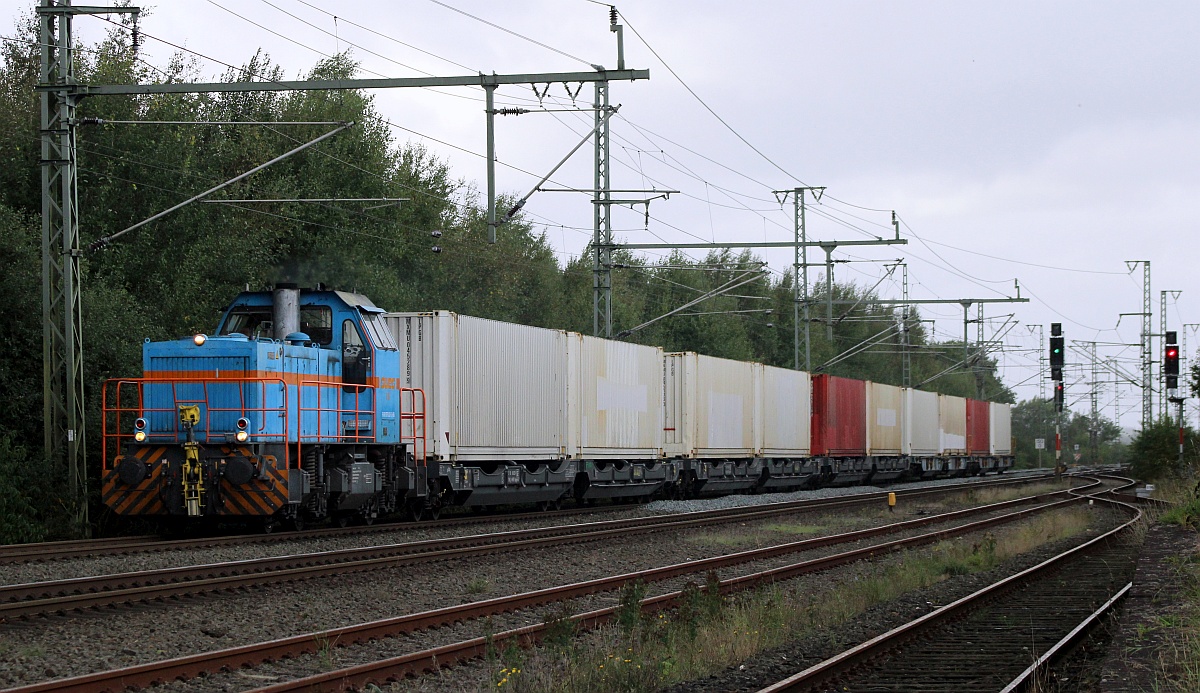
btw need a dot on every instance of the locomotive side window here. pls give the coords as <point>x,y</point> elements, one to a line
<point>317,323</point>
<point>356,356</point>
<point>250,322</point>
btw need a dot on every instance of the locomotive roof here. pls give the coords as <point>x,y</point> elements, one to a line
<point>263,298</point>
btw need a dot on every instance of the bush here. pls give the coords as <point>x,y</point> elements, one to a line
<point>1154,453</point>
<point>19,518</point>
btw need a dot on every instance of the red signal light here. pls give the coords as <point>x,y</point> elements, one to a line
<point>1172,353</point>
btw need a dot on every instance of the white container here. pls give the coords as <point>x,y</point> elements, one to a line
<point>1000,427</point>
<point>785,412</point>
<point>709,407</point>
<point>615,399</point>
<point>952,425</point>
<point>885,420</point>
<point>494,390</point>
<point>921,428</point>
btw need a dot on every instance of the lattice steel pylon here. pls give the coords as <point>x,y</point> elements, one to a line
<point>64,432</point>
<point>1147,339</point>
<point>602,222</point>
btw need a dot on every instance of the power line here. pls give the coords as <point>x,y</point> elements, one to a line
<point>702,102</point>
<point>510,31</point>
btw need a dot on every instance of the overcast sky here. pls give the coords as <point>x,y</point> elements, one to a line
<point>1060,138</point>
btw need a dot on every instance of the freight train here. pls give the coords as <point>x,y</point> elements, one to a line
<point>307,405</point>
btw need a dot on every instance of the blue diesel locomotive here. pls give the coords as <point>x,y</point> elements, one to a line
<point>290,412</point>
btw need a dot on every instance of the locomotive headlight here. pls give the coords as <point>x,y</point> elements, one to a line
<point>200,339</point>
<point>241,436</point>
<point>139,436</point>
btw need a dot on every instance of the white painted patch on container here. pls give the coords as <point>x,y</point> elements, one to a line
<point>953,442</point>
<point>885,417</point>
<point>611,394</point>
<point>725,421</point>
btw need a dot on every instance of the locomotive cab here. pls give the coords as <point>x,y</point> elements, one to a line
<point>288,411</point>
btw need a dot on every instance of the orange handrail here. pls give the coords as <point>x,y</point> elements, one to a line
<point>415,415</point>
<point>122,416</point>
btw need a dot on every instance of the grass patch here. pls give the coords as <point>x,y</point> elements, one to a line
<point>786,528</point>
<point>987,496</point>
<point>722,539</point>
<point>479,586</point>
<point>1178,666</point>
<point>742,536</point>
<point>708,632</point>
<point>1186,514</point>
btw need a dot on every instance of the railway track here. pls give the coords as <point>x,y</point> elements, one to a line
<point>995,639</point>
<point>50,551</point>
<point>65,596</point>
<point>234,658</point>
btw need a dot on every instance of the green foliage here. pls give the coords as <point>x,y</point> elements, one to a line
<point>1035,419</point>
<point>1154,452</point>
<point>1186,514</point>
<point>866,342</point>
<point>20,487</point>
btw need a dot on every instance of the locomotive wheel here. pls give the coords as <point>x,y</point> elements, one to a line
<point>416,510</point>
<point>342,520</point>
<point>298,522</point>
<point>270,524</point>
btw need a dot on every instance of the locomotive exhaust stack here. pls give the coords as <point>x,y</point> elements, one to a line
<point>285,310</point>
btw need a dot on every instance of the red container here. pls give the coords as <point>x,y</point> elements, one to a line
<point>978,435</point>
<point>839,417</point>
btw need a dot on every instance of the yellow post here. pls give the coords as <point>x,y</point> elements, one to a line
<point>892,502</point>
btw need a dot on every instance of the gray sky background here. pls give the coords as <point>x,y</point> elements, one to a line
<point>1060,138</point>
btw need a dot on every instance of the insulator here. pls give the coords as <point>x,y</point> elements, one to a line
<point>436,248</point>
<point>435,234</point>
<point>612,14</point>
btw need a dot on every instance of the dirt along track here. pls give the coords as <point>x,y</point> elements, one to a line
<point>499,605</point>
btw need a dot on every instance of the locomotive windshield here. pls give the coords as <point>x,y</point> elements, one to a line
<point>381,336</point>
<point>315,321</point>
